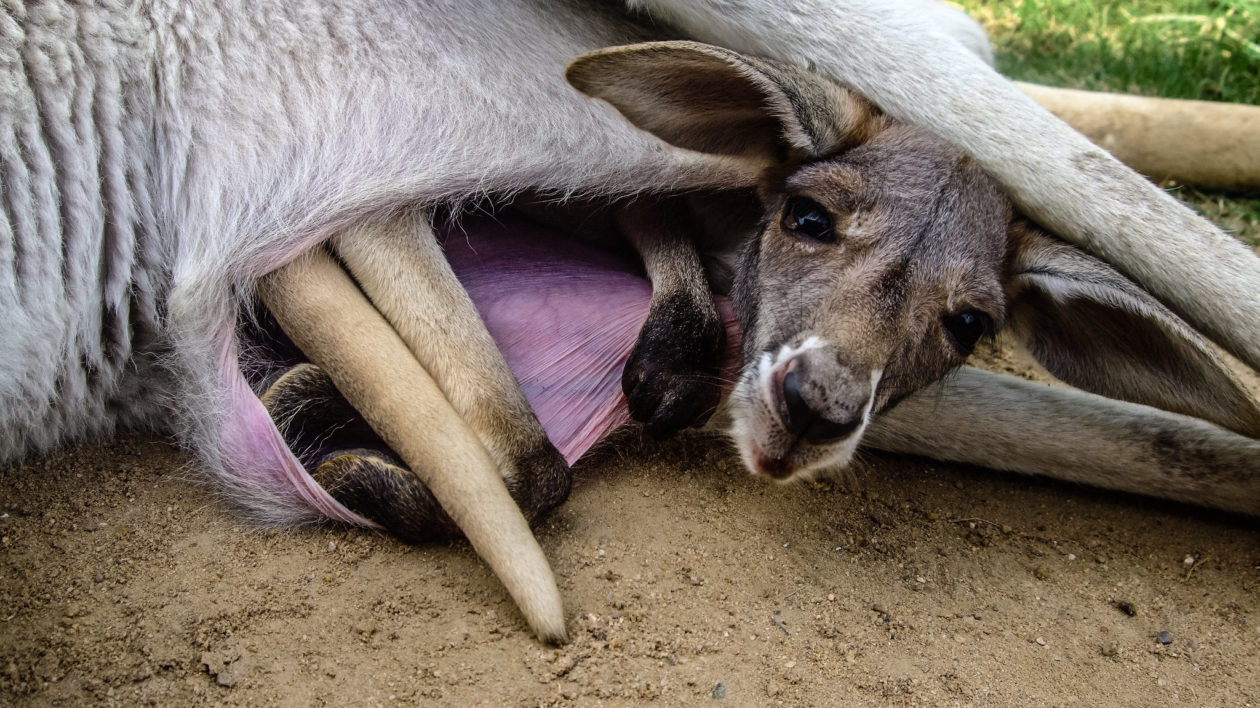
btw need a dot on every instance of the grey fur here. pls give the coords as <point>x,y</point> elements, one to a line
<point>1003,422</point>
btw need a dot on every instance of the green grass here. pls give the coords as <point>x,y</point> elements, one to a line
<point>1199,49</point>
<point>1205,49</point>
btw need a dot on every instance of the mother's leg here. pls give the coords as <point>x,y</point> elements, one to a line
<point>1008,423</point>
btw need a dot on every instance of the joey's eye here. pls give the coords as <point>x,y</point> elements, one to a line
<point>967,327</point>
<point>807,219</point>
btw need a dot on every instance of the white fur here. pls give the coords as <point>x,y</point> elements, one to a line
<point>755,422</point>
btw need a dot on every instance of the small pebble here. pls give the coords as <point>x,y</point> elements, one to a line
<point>1188,562</point>
<point>719,690</point>
<point>1040,642</point>
<point>1111,649</point>
<point>1127,607</point>
<point>1164,637</point>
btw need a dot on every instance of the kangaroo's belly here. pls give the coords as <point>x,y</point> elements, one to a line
<point>82,272</point>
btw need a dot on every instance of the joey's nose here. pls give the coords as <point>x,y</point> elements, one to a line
<point>807,423</point>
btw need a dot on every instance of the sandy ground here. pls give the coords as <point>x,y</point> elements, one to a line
<point>686,581</point>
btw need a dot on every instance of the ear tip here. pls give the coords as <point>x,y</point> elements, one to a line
<point>586,71</point>
<point>578,74</point>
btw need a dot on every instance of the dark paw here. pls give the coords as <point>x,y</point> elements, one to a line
<point>542,481</point>
<point>351,462</point>
<point>671,379</point>
<point>374,484</point>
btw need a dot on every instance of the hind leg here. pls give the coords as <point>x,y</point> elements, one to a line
<point>399,264</point>
<point>349,460</point>
<point>328,317</point>
<point>1003,422</point>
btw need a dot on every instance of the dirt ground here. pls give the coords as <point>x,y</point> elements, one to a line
<point>686,581</point>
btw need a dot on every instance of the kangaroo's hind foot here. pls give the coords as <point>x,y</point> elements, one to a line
<point>349,460</point>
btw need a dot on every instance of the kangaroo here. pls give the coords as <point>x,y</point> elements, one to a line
<point>160,160</point>
<point>881,257</point>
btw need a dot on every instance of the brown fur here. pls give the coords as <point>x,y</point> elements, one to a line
<point>839,329</point>
<point>857,323</point>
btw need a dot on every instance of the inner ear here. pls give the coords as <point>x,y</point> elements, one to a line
<point>1094,328</point>
<point>713,100</point>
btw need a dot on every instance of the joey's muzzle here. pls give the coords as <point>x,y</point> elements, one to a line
<point>802,409</point>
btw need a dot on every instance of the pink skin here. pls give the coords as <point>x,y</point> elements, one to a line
<point>772,397</point>
<point>565,315</point>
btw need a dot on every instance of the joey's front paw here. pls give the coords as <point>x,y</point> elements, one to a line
<point>671,379</point>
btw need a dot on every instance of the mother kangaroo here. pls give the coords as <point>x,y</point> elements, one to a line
<point>160,158</point>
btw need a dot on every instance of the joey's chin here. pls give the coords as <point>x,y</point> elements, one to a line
<point>800,461</point>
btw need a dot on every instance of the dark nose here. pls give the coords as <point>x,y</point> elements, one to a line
<point>807,423</point>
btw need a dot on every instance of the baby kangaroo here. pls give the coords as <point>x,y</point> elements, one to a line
<point>878,260</point>
<point>882,257</point>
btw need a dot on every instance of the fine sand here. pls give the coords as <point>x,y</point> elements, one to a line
<point>686,581</point>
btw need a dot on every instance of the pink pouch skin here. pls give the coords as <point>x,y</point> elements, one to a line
<point>566,316</point>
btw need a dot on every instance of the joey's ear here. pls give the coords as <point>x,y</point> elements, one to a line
<point>713,100</point>
<point>1095,329</point>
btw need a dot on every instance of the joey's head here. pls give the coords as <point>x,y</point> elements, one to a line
<point>882,257</point>
<point>874,272</point>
